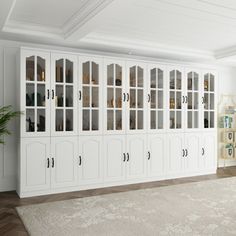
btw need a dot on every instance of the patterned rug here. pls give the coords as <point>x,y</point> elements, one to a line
<point>202,208</point>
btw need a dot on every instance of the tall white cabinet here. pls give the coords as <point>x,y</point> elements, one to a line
<point>92,121</point>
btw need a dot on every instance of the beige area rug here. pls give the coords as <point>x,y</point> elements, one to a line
<point>203,208</point>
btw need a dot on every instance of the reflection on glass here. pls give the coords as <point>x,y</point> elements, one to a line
<point>69,71</point>
<point>69,96</point>
<point>212,85</point>
<point>95,73</point>
<point>30,95</point>
<point>195,101</point>
<point>110,97</point>
<point>110,74</point>
<point>132,98</point>
<point>86,97</point>
<point>190,120</point>
<point>195,81</point>
<point>59,120</point>
<point>140,119</point>
<point>69,120</point>
<point>30,68</point>
<point>59,100</point>
<point>86,73</point>
<point>95,99</point>
<point>86,120</point>
<point>172,100</point>
<point>41,120</point>
<point>153,99</point>
<point>140,98</point>
<point>172,119</point>
<point>118,98</point>
<point>95,120</point>
<point>59,71</point>
<point>160,120</point>
<point>196,119</point>
<point>172,79</point>
<point>41,95</point>
<point>140,77</point>
<point>132,77</point>
<point>178,100</point>
<point>206,84</point>
<point>118,120</point>
<point>153,119</point>
<point>206,103</point>
<point>40,69</point>
<point>178,120</point>
<point>212,101</point>
<point>118,75</point>
<point>132,120</point>
<point>206,120</point>
<point>190,81</point>
<point>190,100</point>
<point>30,120</point>
<point>178,80</point>
<point>153,78</point>
<point>212,120</point>
<point>160,100</point>
<point>110,120</point>
<point>160,79</point>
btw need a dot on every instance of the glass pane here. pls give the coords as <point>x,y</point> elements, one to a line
<point>140,77</point>
<point>41,120</point>
<point>118,75</point>
<point>132,77</point>
<point>132,124</point>
<point>160,119</point>
<point>206,121</point>
<point>59,96</point>
<point>206,103</point>
<point>190,81</point>
<point>190,100</point>
<point>95,73</point>
<point>140,119</point>
<point>41,95</point>
<point>212,101</point>
<point>178,100</point>
<point>69,96</point>
<point>195,101</point>
<point>86,73</point>
<point>172,79</point>
<point>132,98</point>
<point>196,119</point>
<point>118,120</point>
<point>110,97</point>
<point>153,119</point>
<point>69,71</point>
<point>196,81</point>
<point>190,120</point>
<point>110,120</point>
<point>160,79</point>
<point>178,120</point>
<point>153,99</point>
<point>30,120</point>
<point>59,120</point>
<point>140,98</point>
<point>160,99</point>
<point>86,120</point>
<point>206,85</point>
<point>110,73</point>
<point>86,97</point>
<point>153,78</point>
<point>172,100</point>
<point>40,69</point>
<point>59,71</point>
<point>212,119</point>
<point>95,120</point>
<point>69,120</point>
<point>178,80</point>
<point>95,98</point>
<point>30,95</point>
<point>212,85</point>
<point>118,98</point>
<point>172,119</point>
<point>30,68</point>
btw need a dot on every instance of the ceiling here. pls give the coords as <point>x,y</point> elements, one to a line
<point>196,30</point>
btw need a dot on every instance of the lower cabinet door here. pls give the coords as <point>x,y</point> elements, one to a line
<point>136,156</point>
<point>90,160</point>
<point>64,162</point>
<point>156,155</point>
<point>115,158</point>
<point>35,169</point>
<point>176,155</point>
<point>208,155</point>
<point>192,146</point>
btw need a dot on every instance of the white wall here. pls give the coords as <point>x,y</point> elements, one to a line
<point>8,76</point>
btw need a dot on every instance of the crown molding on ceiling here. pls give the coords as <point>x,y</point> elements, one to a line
<point>226,52</point>
<point>5,11</point>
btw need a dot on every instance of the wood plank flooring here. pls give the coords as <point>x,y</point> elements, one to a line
<point>11,225</point>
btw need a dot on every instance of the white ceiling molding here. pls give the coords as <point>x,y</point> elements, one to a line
<point>225,53</point>
<point>5,11</point>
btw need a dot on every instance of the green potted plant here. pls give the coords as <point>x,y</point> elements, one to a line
<point>6,114</point>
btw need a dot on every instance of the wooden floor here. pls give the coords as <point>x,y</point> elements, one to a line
<point>11,225</point>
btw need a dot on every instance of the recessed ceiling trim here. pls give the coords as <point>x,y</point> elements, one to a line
<point>5,12</point>
<point>225,53</point>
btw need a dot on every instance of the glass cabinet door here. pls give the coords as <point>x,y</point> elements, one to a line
<point>63,95</point>
<point>192,100</point>
<point>37,83</point>
<point>175,100</point>
<point>209,100</point>
<point>156,99</point>
<point>114,98</point>
<point>135,98</point>
<point>90,82</point>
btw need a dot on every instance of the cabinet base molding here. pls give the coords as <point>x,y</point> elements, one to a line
<point>114,184</point>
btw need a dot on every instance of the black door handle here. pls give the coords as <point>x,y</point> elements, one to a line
<point>183,153</point>
<point>203,151</point>
<point>52,93</point>
<point>80,95</point>
<point>186,152</point>
<point>124,97</point>
<point>48,162</point>
<point>149,155</point>
<point>48,93</point>
<point>186,99</point>
<point>53,164</point>
<point>124,157</point>
<point>80,160</point>
<point>149,97</point>
<point>183,97</point>
<point>127,97</point>
<point>127,156</point>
